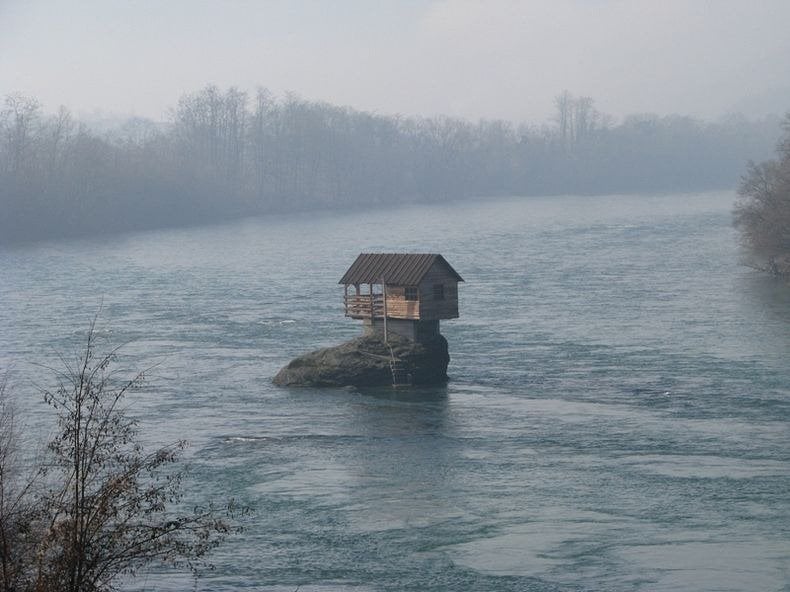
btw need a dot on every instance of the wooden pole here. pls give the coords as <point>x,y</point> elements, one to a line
<point>384,295</point>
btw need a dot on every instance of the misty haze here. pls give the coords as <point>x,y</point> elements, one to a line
<point>429,295</point>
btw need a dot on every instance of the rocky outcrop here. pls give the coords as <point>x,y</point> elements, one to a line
<point>365,361</point>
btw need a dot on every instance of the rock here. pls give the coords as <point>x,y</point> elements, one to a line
<point>365,361</point>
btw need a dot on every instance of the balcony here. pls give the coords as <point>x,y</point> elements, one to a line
<point>365,306</point>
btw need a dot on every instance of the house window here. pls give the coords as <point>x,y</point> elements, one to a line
<point>438,291</point>
<point>411,292</point>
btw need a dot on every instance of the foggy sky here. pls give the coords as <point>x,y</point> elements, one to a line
<point>492,59</point>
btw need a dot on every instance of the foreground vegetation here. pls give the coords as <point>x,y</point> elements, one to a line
<point>762,213</point>
<point>224,154</point>
<point>94,506</point>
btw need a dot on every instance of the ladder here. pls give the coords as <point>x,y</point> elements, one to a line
<point>400,374</point>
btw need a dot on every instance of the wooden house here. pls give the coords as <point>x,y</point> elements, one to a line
<point>401,293</point>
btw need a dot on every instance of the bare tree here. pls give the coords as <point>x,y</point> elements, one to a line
<point>762,212</point>
<point>564,105</point>
<point>22,114</point>
<point>585,118</point>
<point>259,138</point>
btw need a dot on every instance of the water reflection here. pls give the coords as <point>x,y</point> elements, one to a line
<point>406,472</point>
<point>769,295</point>
<point>403,412</point>
<point>417,394</point>
<point>764,310</point>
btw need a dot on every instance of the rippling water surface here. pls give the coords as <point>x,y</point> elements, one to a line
<point>617,417</point>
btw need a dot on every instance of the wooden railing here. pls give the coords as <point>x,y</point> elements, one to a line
<point>365,306</point>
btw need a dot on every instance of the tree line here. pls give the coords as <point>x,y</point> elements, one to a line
<point>229,153</point>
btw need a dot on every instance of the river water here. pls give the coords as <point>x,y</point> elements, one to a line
<point>617,417</point>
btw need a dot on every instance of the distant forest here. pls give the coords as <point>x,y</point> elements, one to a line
<point>225,154</point>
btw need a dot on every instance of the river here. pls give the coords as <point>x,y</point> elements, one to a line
<point>617,415</point>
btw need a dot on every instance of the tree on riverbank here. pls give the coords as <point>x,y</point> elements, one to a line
<point>96,506</point>
<point>762,213</point>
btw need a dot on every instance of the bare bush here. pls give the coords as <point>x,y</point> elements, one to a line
<point>17,513</point>
<point>97,506</point>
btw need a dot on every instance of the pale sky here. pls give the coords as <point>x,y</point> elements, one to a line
<point>472,59</point>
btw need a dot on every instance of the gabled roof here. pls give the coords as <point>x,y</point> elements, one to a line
<point>405,269</point>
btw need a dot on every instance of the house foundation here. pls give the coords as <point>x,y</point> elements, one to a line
<point>421,331</point>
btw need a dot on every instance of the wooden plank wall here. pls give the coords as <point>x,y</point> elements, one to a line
<point>431,309</point>
<point>400,308</point>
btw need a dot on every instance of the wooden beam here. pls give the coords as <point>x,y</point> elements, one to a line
<point>384,295</point>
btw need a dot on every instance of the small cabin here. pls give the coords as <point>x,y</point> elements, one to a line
<point>403,293</point>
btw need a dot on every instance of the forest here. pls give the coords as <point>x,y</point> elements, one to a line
<point>224,154</point>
